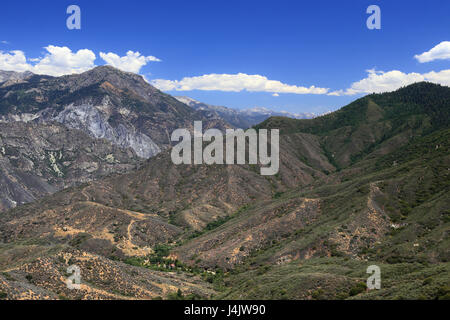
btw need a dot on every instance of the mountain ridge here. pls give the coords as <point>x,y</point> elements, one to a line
<point>105,103</point>
<point>242,119</point>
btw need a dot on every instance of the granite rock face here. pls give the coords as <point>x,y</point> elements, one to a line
<point>40,159</point>
<point>14,76</point>
<point>94,121</point>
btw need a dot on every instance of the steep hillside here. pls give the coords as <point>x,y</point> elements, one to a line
<point>42,276</point>
<point>395,216</point>
<point>40,159</point>
<point>377,121</point>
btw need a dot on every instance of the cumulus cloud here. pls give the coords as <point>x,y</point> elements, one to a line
<point>132,62</point>
<point>13,61</point>
<point>56,62</point>
<point>233,83</point>
<point>441,77</point>
<point>61,60</point>
<point>380,81</point>
<point>439,52</point>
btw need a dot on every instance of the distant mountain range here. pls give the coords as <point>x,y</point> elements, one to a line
<point>245,118</point>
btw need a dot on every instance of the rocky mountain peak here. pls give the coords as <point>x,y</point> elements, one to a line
<point>14,76</point>
<point>115,77</point>
<point>104,102</point>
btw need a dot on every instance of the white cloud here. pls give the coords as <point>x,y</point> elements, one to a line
<point>132,62</point>
<point>58,61</point>
<point>13,61</point>
<point>379,81</point>
<point>441,77</point>
<point>439,52</point>
<point>4,42</point>
<point>233,83</point>
<point>61,60</point>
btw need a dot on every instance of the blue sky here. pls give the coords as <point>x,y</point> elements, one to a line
<point>268,53</point>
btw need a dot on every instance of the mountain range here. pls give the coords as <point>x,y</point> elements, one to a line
<point>85,160</point>
<point>243,119</point>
